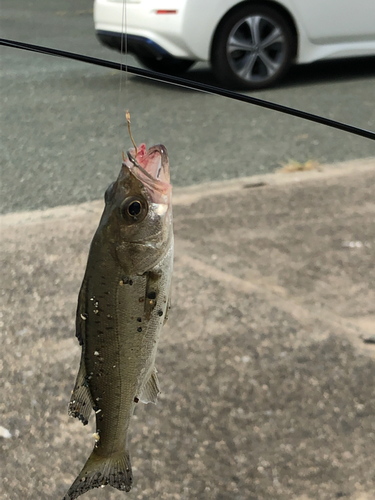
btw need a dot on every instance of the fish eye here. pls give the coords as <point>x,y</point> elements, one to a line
<point>134,209</point>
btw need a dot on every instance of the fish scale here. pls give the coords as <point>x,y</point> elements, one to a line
<point>122,306</point>
<point>123,354</point>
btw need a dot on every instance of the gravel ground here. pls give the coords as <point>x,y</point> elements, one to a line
<point>267,386</point>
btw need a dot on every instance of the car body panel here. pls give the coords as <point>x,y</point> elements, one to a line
<point>343,21</point>
<point>325,28</point>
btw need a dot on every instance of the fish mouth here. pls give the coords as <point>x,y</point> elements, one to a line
<point>151,167</point>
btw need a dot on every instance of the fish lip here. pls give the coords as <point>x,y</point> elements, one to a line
<point>153,182</point>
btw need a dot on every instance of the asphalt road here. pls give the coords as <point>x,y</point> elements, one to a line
<point>63,121</point>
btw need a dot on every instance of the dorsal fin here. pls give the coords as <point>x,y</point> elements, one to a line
<point>81,314</point>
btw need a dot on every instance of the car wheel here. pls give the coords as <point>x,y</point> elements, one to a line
<point>171,66</point>
<point>252,48</point>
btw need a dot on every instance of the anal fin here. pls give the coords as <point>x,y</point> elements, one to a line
<point>151,390</point>
<point>81,402</point>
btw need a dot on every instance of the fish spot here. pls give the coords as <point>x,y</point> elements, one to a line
<point>151,295</point>
<point>139,329</point>
<point>81,418</point>
<point>126,281</point>
<point>139,320</point>
<point>160,312</point>
<point>136,400</point>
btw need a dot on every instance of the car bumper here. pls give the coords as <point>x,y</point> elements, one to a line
<point>149,33</point>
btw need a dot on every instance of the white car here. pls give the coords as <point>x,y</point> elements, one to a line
<point>250,44</point>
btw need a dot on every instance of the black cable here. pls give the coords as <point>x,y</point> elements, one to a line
<point>182,82</point>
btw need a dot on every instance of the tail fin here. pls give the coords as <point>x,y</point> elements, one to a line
<point>99,471</point>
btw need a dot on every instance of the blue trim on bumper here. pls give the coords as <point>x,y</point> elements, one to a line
<point>137,45</point>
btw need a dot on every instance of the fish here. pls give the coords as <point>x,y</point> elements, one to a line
<point>122,305</point>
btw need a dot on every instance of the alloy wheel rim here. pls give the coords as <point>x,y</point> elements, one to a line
<point>256,48</point>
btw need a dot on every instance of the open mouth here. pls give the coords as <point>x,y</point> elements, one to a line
<point>151,165</point>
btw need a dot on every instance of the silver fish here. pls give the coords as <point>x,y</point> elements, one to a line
<point>122,305</point>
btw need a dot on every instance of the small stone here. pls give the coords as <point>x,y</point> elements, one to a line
<point>4,433</point>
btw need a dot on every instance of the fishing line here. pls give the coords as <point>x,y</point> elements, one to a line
<point>123,44</point>
<point>203,87</point>
<point>124,37</point>
<point>122,41</point>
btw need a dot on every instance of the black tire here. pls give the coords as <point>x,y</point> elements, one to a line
<point>243,54</point>
<point>169,66</point>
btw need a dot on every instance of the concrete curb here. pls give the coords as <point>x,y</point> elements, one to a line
<point>190,194</point>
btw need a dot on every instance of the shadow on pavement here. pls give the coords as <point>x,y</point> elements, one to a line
<point>307,74</point>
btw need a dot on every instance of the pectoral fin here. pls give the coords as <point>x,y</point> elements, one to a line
<point>169,305</point>
<point>81,402</point>
<point>151,389</point>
